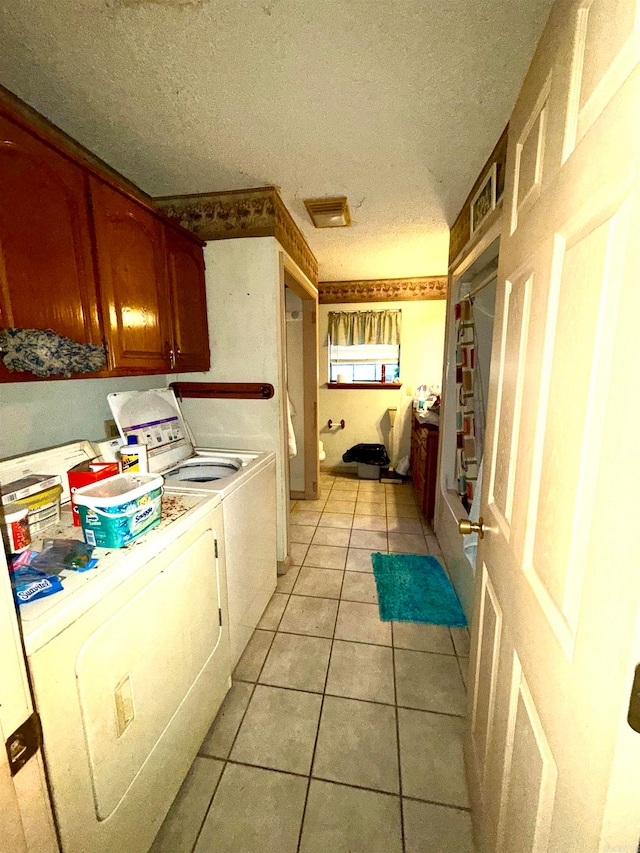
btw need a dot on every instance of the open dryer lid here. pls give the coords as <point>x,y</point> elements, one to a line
<point>154,417</point>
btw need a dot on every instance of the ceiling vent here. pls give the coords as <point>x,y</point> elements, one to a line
<point>329,212</point>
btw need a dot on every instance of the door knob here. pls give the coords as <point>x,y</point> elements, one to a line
<point>465,526</point>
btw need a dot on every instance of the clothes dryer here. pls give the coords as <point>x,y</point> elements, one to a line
<point>245,480</point>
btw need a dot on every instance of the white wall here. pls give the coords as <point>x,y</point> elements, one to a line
<point>295,385</point>
<point>245,294</point>
<point>242,310</point>
<point>365,411</point>
<point>36,415</point>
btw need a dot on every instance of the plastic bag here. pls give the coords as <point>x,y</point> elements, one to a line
<point>60,554</point>
<point>402,467</point>
<point>368,454</point>
<point>28,583</point>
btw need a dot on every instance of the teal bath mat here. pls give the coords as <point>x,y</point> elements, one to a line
<point>413,588</point>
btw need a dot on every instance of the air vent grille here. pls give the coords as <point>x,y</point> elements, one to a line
<point>329,212</point>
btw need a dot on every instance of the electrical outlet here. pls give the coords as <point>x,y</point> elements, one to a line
<point>110,429</point>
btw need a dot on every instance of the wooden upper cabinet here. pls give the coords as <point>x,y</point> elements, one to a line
<point>130,252</point>
<point>185,267</point>
<point>47,278</point>
<point>81,254</point>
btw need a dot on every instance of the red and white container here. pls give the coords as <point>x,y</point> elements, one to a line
<point>15,527</point>
<point>84,474</point>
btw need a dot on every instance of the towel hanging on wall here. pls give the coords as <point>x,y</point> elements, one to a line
<point>293,448</point>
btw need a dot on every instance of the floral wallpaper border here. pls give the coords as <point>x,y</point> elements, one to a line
<point>383,290</point>
<point>258,212</point>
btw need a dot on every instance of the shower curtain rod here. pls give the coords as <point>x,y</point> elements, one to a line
<point>485,281</point>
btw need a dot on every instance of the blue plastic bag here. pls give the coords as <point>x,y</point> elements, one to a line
<point>29,584</point>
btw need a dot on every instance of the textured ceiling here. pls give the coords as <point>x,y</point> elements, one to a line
<point>395,104</point>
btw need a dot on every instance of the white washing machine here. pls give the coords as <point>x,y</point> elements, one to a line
<point>244,480</point>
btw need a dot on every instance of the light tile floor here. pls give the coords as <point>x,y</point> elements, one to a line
<point>341,733</point>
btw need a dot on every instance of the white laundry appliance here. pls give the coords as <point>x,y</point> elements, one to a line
<point>245,482</point>
<point>129,664</point>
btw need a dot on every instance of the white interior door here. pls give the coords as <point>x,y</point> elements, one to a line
<point>552,762</point>
<point>26,823</point>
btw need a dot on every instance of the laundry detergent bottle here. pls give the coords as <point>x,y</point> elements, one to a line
<point>133,457</point>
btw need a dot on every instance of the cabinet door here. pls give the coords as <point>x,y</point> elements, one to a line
<point>430,469</point>
<point>417,459</point>
<point>185,263</point>
<point>133,285</point>
<point>46,270</point>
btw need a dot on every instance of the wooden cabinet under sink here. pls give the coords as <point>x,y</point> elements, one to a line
<point>424,462</point>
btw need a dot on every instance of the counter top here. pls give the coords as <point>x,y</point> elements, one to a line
<point>45,618</point>
<point>428,418</point>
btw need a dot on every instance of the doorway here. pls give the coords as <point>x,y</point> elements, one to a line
<point>301,381</point>
<point>295,390</point>
<point>471,293</point>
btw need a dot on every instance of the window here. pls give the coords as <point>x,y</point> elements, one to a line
<point>364,347</point>
<point>364,363</point>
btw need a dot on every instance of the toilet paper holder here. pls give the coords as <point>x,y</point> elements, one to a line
<point>331,423</point>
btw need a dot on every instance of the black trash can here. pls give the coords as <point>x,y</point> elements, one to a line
<point>370,458</point>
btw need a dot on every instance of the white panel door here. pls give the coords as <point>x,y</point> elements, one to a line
<point>553,765</point>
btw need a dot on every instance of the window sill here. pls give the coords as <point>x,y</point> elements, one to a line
<point>366,386</point>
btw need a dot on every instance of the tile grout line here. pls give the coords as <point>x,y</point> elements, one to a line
<point>295,775</point>
<point>315,742</point>
<point>464,683</point>
<point>465,809</point>
<point>359,642</point>
<point>235,737</point>
<point>399,755</point>
<point>237,763</point>
<point>352,698</point>
<point>206,811</point>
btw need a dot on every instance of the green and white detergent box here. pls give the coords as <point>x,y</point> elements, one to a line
<point>115,511</point>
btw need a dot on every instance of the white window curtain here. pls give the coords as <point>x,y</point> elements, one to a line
<point>351,328</point>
